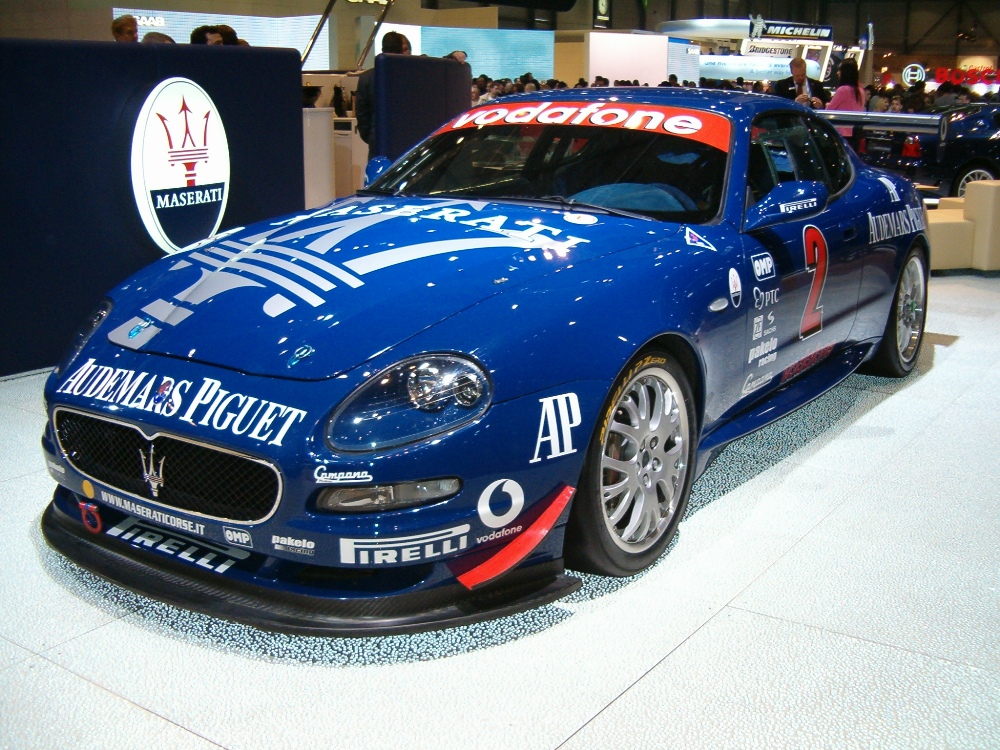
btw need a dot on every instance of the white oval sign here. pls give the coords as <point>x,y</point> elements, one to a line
<point>180,164</point>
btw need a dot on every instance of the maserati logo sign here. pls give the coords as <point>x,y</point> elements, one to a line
<point>180,164</point>
<point>152,474</point>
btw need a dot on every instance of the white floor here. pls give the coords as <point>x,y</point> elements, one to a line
<point>836,585</point>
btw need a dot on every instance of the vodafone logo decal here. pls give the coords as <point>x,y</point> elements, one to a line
<point>706,127</point>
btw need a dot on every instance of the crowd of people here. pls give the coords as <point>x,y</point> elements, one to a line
<point>126,29</point>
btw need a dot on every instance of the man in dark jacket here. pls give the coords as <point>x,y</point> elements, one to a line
<point>393,43</point>
<point>804,90</point>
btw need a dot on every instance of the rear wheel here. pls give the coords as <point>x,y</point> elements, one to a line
<point>637,477</point>
<point>904,331</point>
<point>970,175</point>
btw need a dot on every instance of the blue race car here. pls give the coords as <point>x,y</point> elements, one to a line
<point>515,351</point>
<point>969,150</point>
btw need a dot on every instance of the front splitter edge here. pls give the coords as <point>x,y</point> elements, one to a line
<point>284,612</point>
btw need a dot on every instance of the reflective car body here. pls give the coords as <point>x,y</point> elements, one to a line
<point>372,417</point>
<point>968,150</point>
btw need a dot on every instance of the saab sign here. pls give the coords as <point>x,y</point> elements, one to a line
<point>180,164</point>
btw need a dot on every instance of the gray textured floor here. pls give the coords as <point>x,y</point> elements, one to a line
<point>836,585</point>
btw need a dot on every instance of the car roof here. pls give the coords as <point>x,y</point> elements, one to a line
<point>736,105</point>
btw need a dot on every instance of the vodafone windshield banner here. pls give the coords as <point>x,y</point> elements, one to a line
<point>707,127</point>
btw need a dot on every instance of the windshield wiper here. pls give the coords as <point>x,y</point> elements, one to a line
<point>575,205</point>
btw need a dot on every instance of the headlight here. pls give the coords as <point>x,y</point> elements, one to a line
<point>83,334</point>
<point>387,496</point>
<point>412,400</point>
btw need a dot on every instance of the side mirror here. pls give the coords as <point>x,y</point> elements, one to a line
<point>375,168</point>
<point>787,201</point>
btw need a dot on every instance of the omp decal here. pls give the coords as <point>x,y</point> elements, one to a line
<point>895,224</point>
<point>211,406</point>
<point>402,549</point>
<point>691,237</point>
<point>239,537</point>
<point>763,266</point>
<point>520,547</point>
<point>706,127</point>
<point>560,414</point>
<point>290,258</point>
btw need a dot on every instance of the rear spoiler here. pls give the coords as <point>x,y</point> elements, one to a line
<point>893,121</point>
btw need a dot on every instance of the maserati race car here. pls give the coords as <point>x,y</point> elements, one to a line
<point>511,354</point>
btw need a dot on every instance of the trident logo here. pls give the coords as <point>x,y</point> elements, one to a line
<point>152,474</point>
<point>188,153</point>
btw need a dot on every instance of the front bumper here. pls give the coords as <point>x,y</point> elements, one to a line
<point>296,612</point>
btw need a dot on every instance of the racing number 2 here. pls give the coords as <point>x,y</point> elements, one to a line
<point>816,264</point>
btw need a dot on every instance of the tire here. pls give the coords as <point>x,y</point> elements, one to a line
<point>637,476</point>
<point>972,174</point>
<point>904,330</point>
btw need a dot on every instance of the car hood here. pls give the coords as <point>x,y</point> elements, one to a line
<point>317,293</point>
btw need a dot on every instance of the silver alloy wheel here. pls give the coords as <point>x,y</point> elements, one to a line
<point>644,460</point>
<point>974,175</point>
<point>911,306</point>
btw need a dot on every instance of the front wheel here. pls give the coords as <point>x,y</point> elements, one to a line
<point>638,473</point>
<point>904,331</point>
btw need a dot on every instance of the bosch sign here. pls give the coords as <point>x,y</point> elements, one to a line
<point>970,76</point>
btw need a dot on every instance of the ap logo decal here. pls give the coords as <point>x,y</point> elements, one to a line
<point>180,164</point>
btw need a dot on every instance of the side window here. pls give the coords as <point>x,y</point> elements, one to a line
<point>831,150</point>
<point>782,150</point>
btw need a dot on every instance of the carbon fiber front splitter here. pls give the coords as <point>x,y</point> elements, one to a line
<point>187,587</point>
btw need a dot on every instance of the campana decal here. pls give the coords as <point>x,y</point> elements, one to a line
<point>179,164</point>
<point>204,404</point>
<point>762,299</point>
<point>793,206</point>
<point>691,237</point>
<point>324,476</point>
<point>560,414</point>
<point>513,490</point>
<point>261,260</point>
<point>763,348</point>
<point>239,537</point>
<point>756,382</point>
<point>735,287</point>
<point>895,224</point>
<point>156,516</point>
<point>403,549</point>
<point>305,547</point>
<point>763,266</point>
<point>706,127</point>
<point>214,557</point>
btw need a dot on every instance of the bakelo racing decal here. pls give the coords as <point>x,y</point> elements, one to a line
<point>816,264</point>
<point>705,127</point>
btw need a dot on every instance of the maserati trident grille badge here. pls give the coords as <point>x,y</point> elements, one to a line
<point>151,473</point>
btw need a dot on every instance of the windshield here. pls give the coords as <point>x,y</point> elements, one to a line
<point>640,170</point>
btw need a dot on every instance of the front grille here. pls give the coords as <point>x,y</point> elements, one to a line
<point>195,478</point>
